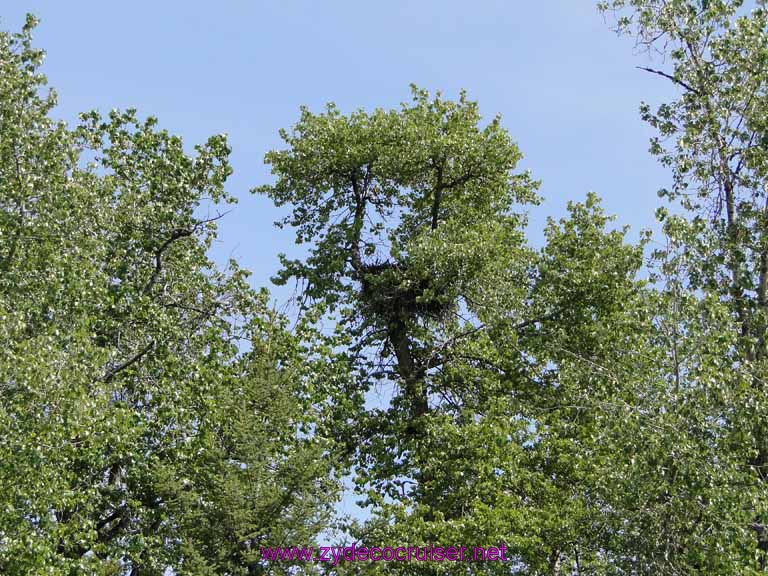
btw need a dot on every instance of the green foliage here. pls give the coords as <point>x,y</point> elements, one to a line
<point>711,315</point>
<point>488,346</point>
<point>153,411</point>
<point>157,417</point>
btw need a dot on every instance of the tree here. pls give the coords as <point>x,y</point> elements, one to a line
<point>152,414</point>
<point>400,286</point>
<point>417,247</point>
<point>715,269</point>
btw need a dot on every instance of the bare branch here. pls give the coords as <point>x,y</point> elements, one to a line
<point>670,77</point>
<point>175,235</point>
<point>128,363</point>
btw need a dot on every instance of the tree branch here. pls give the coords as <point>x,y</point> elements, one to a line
<point>175,235</point>
<point>670,77</point>
<point>110,374</point>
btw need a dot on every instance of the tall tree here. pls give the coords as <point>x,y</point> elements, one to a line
<point>487,347</point>
<point>151,407</point>
<point>715,270</point>
<point>407,212</point>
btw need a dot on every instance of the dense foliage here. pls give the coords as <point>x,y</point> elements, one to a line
<point>714,274</point>
<point>487,346</point>
<point>596,406</point>
<point>152,410</point>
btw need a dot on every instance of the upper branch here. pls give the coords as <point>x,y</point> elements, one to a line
<point>670,77</point>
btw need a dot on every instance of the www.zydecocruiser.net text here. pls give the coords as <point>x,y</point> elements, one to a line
<point>335,554</point>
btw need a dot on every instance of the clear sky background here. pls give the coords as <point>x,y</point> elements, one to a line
<point>566,86</point>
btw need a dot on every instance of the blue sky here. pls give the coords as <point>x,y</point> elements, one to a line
<point>566,86</point>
